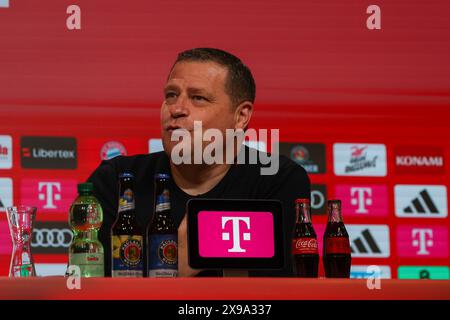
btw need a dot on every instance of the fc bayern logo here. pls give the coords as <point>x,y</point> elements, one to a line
<point>112,149</point>
<point>299,154</point>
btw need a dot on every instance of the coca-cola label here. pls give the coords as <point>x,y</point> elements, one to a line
<point>304,246</point>
<point>337,245</point>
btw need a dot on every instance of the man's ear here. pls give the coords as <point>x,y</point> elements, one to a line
<point>243,114</point>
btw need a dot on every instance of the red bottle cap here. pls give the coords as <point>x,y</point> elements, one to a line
<point>302,201</point>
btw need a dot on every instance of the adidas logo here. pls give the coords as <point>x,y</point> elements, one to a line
<point>369,246</point>
<point>420,201</point>
<point>422,204</point>
<point>369,240</point>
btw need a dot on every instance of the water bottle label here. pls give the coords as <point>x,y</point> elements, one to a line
<point>126,201</point>
<point>163,255</point>
<point>337,245</point>
<point>91,264</point>
<point>304,246</point>
<point>127,257</point>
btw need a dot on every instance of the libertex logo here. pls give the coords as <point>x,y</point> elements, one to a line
<point>48,153</point>
<point>419,160</point>
<point>49,195</point>
<point>422,241</point>
<point>224,234</point>
<point>363,200</point>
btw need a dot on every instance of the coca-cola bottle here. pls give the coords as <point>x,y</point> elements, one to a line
<point>304,246</point>
<point>336,245</point>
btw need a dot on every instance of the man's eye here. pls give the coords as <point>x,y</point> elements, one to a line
<point>170,95</point>
<point>199,98</point>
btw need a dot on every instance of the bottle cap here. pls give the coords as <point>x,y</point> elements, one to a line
<point>297,201</point>
<point>85,187</point>
<point>162,176</point>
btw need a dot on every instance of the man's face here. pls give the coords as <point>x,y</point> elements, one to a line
<point>195,91</point>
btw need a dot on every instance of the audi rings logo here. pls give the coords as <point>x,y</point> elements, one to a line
<point>51,237</point>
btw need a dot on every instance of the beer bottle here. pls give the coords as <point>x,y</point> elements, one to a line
<point>127,237</point>
<point>85,219</point>
<point>336,244</point>
<point>162,234</point>
<point>305,242</point>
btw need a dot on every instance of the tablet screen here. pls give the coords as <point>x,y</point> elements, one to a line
<point>240,234</point>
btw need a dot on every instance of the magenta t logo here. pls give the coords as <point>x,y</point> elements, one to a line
<point>49,195</point>
<point>49,192</point>
<point>422,241</point>
<point>236,232</point>
<point>224,234</point>
<point>363,200</point>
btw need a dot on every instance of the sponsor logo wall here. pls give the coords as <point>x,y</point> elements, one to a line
<point>393,221</point>
<point>394,197</point>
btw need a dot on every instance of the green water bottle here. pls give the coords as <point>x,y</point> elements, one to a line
<point>85,219</point>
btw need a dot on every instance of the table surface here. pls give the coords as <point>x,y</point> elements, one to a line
<point>221,289</point>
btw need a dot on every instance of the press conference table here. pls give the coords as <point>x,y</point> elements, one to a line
<point>221,289</point>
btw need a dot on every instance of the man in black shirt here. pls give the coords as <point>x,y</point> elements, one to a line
<point>216,88</point>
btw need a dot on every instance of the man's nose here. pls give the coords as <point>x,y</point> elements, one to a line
<point>180,107</point>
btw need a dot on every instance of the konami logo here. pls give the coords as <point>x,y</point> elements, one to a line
<point>419,160</point>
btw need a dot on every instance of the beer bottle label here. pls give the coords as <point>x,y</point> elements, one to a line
<point>337,245</point>
<point>91,264</point>
<point>304,246</point>
<point>126,200</point>
<point>127,257</point>
<point>163,255</point>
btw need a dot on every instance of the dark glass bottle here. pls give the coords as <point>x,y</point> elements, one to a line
<point>336,244</point>
<point>162,233</point>
<point>304,246</point>
<point>127,237</point>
